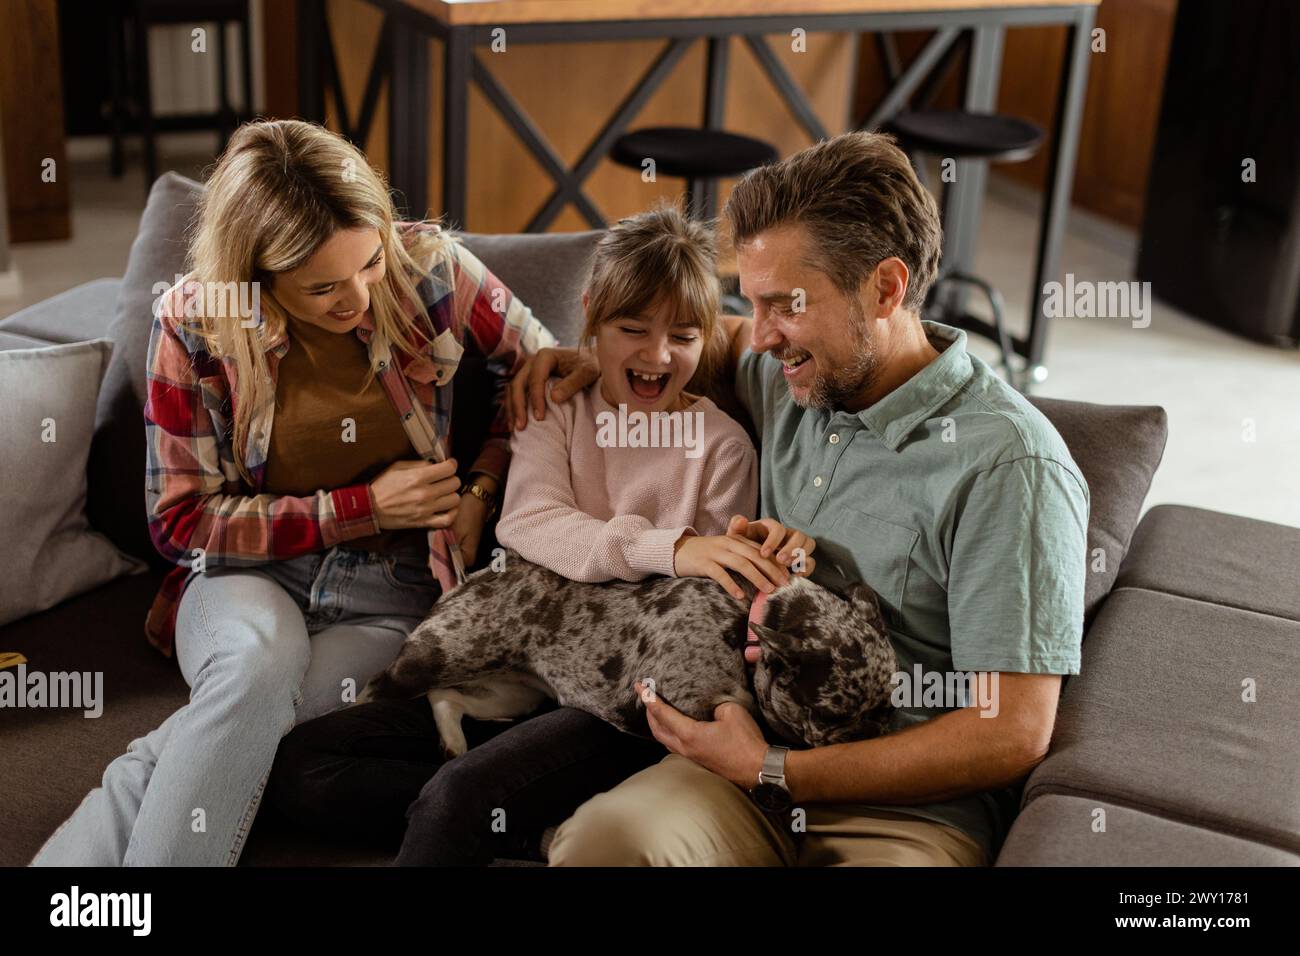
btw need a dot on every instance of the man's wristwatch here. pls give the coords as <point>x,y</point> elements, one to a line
<point>482,494</point>
<point>771,793</point>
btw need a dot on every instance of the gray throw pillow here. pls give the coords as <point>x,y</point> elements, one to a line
<point>1118,448</point>
<point>47,416</point>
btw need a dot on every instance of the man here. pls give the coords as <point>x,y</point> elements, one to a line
<point>915,469</point>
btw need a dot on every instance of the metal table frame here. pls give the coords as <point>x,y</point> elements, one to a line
<point>402,57</point>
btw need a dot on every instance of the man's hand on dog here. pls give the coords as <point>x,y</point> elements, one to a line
<point>731,745</point>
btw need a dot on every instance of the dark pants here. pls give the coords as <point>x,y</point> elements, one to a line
<point>374,770</point>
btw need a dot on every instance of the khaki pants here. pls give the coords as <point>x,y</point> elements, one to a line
<point>676,813</point>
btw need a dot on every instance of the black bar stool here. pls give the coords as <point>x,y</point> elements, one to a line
<point>131,94</point>
<point>697,155</point>
<point>960,134</point>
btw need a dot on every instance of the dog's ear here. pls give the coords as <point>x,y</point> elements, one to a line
<point>863,596</point>
<point>773,641</point>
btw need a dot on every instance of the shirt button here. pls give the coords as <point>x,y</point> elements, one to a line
<point>817,482</point>
<point>835,438</point>
<point>383,364</point>
<point>407,416</point>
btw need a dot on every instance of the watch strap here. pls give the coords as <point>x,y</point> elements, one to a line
<point>488,498</point>
<point>774,767</point>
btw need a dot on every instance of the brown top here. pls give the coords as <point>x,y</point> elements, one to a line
<point>331,428</point>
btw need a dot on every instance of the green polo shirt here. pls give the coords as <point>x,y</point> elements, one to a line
<point>958,502</point>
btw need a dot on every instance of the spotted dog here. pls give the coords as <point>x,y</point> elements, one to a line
<point>498,645</point>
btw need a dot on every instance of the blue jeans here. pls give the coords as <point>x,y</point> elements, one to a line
<point>262,649</point>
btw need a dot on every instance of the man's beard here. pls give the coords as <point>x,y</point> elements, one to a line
<point>835,388</point>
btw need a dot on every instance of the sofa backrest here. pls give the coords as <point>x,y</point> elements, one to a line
<point>1116,447</point>
<point>115,502</point>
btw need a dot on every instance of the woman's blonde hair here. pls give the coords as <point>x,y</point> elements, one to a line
<point>277,193</point>
<point>657,257</point>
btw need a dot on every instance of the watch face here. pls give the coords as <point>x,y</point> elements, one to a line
<point>772,798</point>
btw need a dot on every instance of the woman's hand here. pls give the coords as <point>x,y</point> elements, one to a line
<point>468,526</point>
<point>416,494</point>
<point>709,556</point>
<point>528,387</point>
<point>473,516</point>
<point>771,536</point>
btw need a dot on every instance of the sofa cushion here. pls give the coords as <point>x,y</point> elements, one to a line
<point>1057,830</point>
<point>117,456</point>
<point>77,315</point>
<point>47,415</point>
<point>8,341</point>
<point>52,758</point>
<point>546,271</point>
<point>1226,559</point>
<point>1156,721</point>
<point>1118,448</point>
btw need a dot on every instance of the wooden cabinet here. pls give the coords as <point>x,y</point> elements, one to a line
<point>31,111</point>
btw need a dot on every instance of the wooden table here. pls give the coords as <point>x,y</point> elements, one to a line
<point>463,26</point>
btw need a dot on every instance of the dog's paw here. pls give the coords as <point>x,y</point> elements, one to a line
<point>447,715</point>
<point>453,740</point>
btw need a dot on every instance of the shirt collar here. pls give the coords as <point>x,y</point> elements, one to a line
<point>897,415</point>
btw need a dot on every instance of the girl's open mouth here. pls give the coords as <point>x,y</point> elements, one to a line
<point>647,385</point>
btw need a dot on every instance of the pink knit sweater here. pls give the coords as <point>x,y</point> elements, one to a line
<point>597,513</point>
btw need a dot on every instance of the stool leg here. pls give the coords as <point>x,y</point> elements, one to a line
<point>999,309</point>
<point>225,112</point>
<point>145,96</point>
<point>118,97</point>
<point>918,164</point>
<point>246,55</point>
<point>696,201</point>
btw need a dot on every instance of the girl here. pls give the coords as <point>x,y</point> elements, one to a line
<point>295,476</point>
<point>585,510</point>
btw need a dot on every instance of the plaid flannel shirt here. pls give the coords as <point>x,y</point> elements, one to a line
<point>202,515</point>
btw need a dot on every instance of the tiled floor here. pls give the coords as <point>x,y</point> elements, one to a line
<point>1233,405</point>
<point>1219,390</point>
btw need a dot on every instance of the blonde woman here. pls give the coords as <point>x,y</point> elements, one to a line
<point>296,477</point>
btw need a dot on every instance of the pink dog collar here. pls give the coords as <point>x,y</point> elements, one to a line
<point>752,649</point>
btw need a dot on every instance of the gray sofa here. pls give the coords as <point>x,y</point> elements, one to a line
<point>1156,758</point>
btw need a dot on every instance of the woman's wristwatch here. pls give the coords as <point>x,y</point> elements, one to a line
<point>488,498</point>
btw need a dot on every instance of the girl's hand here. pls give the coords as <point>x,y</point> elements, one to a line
<point>709,556</point>
<point>416,494</point>
<point>772,536</point>
<point>528,387</point>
